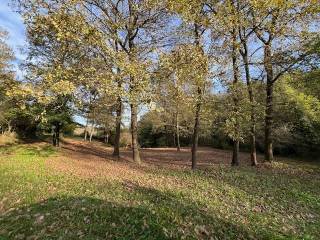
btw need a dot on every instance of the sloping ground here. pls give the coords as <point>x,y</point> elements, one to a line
<point>94,156</point>
<point>81,192</point>
<point>95,159</point>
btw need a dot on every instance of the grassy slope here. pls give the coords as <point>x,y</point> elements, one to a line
<point>276,202</point>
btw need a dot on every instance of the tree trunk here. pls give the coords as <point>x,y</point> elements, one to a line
<point>116,149</point>
<point>105,135</point>
<point>58,135</point>
<point>195,136</point>
<point>269,102</point>
<point>134,103</point>
<point>9,127</point>
<point>91,132</point>
<point>86,130</point>
<point>253,152</point>
<point>54,138</point>
<point>134,133</point>
<point>178,133</point>
<point>235,153</point>
<point>235,67</point>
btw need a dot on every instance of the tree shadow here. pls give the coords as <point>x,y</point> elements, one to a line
<point>84,149</point>
<point>272,191</point>
<point>147,214</point>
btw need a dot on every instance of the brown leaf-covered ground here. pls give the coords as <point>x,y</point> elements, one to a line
<point>95,158</point>
<point>80,191</point>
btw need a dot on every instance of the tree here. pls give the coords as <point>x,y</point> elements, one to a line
<point>12,92</point>
<point>133,27</point>
<point>195,14</point>
<point>282,28</point>
<point>173,96</point>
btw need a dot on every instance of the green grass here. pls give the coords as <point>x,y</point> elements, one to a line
<point>281,201</point>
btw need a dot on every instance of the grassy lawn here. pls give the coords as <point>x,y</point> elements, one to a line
<point>278,201</point>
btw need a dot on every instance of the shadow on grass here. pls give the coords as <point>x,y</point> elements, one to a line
<point>149,214</point>
<point>43,150</point>
<point>87,150</point>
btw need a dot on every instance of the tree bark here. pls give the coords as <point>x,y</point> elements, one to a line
<point>105,135</point>
<point>134,134</point>
<point>269,102</point>
<point>86,130</point>
<point>91,132</point>
<point>195,137</point>
<point>58,135</point>
<point>116,149</point>
<point>54,138</point>
<point>9,127</point>
<point>235,67</point>
<point>178,133</point>
<point>253,152</point>
<point>235,153</point>
<point>131,35</point>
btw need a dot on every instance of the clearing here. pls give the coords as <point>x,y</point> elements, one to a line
<point>80,191</point>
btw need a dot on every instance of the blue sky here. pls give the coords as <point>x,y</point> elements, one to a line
<point>13,23</point>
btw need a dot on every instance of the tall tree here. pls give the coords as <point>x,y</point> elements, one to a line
<point>282,28</point>
<point>195,14</point>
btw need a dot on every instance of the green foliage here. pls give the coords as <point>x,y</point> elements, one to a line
<point>298,113</point>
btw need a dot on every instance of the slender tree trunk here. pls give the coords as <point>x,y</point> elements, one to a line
<point>235,153</point>
<point>9,127</point>
<point>178,133</point>
<point>54,138</point>
<point>195,136</point>
<point>134,133</point>
<point>85,134</point>
<point>116,149</point>
<point>86,130</point>
<point>91,131</point>
<point>253,152</point>
<point>269,102</point>
<point>58,135</point>
<point>105,135</point>
<point>134,103</point>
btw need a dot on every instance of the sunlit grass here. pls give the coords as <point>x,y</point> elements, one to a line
<point>279,201</point>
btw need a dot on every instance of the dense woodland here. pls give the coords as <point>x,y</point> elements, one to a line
<point>241,75</point>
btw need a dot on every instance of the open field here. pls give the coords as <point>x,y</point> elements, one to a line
<point>80,192</point>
